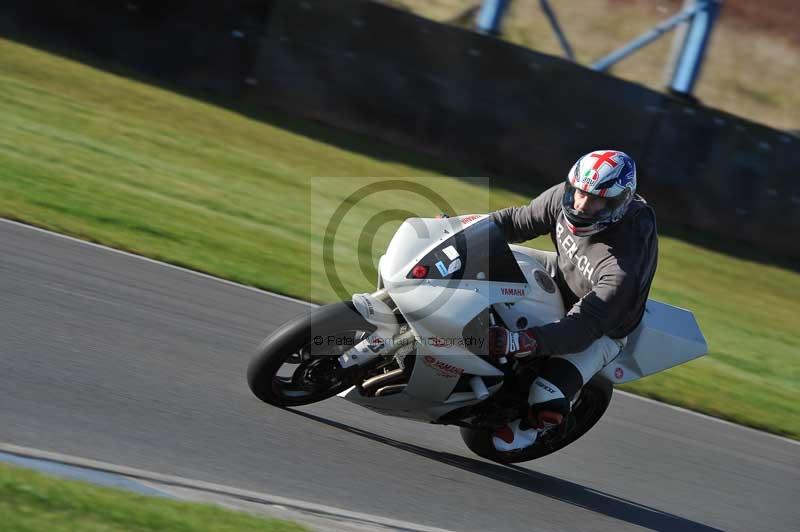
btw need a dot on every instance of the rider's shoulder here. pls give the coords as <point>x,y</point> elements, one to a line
<point>552,196</point>
<point>556,190</point>
<point>641,215</point>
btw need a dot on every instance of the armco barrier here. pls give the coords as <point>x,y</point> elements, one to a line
<point>369,68</point>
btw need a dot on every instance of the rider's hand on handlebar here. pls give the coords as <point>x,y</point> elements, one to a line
<point>504,342</point>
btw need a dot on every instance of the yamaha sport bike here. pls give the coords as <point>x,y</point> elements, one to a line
<point>416,347</point>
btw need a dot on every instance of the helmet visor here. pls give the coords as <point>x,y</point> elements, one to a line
<point>582,219</point>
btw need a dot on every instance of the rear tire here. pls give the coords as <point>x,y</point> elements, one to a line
<point>320,376</point>
<point>594,400</point>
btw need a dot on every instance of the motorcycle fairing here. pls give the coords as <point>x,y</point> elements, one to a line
<point>667,336</point>
<point>441,308</point>
<point>477,253</point>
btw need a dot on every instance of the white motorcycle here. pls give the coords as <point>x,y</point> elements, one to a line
<point>416,348</point>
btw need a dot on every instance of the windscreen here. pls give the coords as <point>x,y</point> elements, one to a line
<point>479,252</point>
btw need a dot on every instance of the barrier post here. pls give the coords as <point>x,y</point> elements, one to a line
<point>490,16</point>
<point>690,45</point>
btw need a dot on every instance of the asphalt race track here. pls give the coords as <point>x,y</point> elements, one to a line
<point>114,358</point>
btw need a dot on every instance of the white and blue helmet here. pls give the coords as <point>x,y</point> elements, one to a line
<point>609,174</point>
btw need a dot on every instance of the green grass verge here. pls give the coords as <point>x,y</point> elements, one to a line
<point>30,501</point>
<point>143,169</point>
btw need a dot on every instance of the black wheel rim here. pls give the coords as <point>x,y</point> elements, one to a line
<point>313,370</point>
<point>584,414</point>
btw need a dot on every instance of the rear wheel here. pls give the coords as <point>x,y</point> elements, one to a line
<point>298,364</point>
<point>587,411</point>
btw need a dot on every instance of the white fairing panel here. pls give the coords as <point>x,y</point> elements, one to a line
<point>400,404</point>
<point>469,273</point>
<point>412,239</point>
<point>541,303</point>
<point>666,337</point>
<point>438,311</point>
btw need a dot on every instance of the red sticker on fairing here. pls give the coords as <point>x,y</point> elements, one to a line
<point>470,218</point>
<point>443,368</point>
<point>437,342</point>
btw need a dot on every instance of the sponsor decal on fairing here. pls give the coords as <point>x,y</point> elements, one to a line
<point>509,291</point>
<point>450,269</point>
<point>451,252</point>
<point>454,267</point>
<point>470,218</point>
<point>442,368</point>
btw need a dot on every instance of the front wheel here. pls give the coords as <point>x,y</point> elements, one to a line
<point>299,363</point>
<point>587,411</point>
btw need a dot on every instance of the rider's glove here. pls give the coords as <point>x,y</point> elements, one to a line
<point>504,342</point>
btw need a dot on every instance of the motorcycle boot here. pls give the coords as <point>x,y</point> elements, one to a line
<point>548,408</point>
<point>515,436</point>
<point>524,432</point>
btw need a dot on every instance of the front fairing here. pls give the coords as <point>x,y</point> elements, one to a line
<point>469,248</point>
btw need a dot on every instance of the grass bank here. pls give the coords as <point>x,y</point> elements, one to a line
<point>142,169</point>
<point>30,501</point>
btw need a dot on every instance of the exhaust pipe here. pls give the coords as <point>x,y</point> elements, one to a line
<point>381,381</point>
<point>390,390</point>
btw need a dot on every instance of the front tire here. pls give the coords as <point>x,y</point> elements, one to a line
<point>315,371</point>
<point>592,404</point>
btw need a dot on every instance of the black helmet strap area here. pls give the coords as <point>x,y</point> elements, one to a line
<point>611,203</point>
<point>590,224</point>
<point>576,218</point>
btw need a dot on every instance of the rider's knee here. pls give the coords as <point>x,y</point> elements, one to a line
<point>564,375</point>
<point>546,395</point>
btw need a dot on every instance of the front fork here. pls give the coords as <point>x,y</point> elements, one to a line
<point>387,338</point>
<point>376,345</point>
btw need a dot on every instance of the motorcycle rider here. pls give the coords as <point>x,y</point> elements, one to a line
<point>605,259</point>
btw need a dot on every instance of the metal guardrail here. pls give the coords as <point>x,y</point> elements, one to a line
<point>690,42</point>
